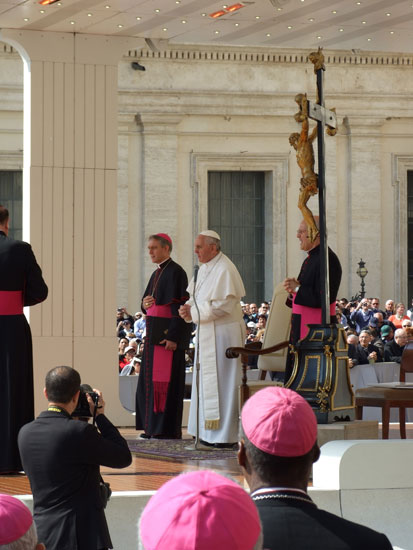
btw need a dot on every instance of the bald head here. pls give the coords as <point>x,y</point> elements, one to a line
<point>304,238</point>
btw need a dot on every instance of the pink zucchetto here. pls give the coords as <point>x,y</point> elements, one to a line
<point>200,511</point>
<point>279,422</point>
<point>164,236</point>
<point>15,519</point>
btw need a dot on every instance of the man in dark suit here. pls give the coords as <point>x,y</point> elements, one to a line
<point>365,352</point>
<point>61,457</point>
<point>21,284</point>
<point>393,350</point>
<point>277,448</point>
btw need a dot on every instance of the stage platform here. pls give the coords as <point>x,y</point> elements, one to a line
<point>149,473</point>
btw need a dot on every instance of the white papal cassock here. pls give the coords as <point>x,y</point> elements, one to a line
<point>218,292</point>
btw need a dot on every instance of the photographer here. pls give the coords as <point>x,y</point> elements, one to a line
<point>61,458</point>
<point>361,315</point>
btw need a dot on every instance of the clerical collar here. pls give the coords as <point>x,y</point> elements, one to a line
<point>278,490</point>
<point>281,493</point>
<point>163,264</point>
<point>313,249</point>
<point>213,261</point>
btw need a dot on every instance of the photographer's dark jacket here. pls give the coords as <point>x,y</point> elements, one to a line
<point>61,458</point>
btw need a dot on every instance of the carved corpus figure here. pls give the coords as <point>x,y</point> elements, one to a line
<point>303,144</point>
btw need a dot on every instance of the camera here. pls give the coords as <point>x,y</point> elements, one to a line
<point>83,409</point>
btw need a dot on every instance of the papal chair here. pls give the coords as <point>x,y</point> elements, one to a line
<point>272,352</point>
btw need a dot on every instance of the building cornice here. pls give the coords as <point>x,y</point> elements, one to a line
<point>242,54</point>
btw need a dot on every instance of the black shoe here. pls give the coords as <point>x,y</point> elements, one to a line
<point>144,436</point>
<point>160,436</point>
<point>226,445</point>
<point>206,443</point>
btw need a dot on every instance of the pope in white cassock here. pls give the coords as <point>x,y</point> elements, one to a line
<point>218,292</point>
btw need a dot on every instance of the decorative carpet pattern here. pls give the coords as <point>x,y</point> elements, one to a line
<point>176,449</point>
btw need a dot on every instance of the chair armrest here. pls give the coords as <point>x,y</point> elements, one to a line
<point>232,353</point>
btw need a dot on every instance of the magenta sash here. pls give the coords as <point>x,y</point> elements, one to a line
<point>11,302</point>
<point>162,363</point>
<point>310,316</point>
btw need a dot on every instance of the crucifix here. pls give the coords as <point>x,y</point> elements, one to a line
<point>312,183</point>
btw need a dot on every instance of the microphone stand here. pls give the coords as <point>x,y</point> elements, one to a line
<point>197,445</point>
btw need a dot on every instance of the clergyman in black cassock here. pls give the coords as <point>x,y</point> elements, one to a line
<point>277,448</point>
<point>160,392</point>
<point>306,291</point>
<point>21,284</point>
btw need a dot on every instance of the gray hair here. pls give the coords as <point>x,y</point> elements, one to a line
<point>400,332</point>
<point>27,542</point>
<point>162,241</point>
<point>211,240</point>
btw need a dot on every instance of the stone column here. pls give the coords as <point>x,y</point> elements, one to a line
<point>365,210</point>
<point>159,183</point>
<point>70,201</point>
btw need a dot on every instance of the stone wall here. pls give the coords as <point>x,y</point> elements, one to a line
<point>197,108</point>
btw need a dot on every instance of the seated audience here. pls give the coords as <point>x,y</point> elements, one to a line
<point>123,343</point>
<point>17,528</point>
<point>262,322</point>
<point>200,511</point>
<point>409,312</point>
<point>381,321</point>
<point>361,315</point>
<point>123,315</point>
<point>352,339</point>
<point>365,352</point>
<point>246,312</point>
<point>131,369</point>
<point>277,448</point>
<point>389,309</point>
<point>393,350</point>
<point>375,337</point>
<point>386,333</point>
<point>375,306</point>
<point>140,326</point>
<point>130,353</point>
<point>341,318</point>
<point>253,313</point>
<point>398,318</point>
<point>251,330</point>
<point>344,306</point>
<point>124,329</point>
<point>264,309</point>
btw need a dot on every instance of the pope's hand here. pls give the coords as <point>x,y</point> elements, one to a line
<point>185,312</point>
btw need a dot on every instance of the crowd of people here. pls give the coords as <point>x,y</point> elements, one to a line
<point>131,333</point>
<point>373,334</point>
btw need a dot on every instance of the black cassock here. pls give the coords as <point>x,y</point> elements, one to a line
<point>21,283</point>
<point>310,292</point>
<point>168,286</point>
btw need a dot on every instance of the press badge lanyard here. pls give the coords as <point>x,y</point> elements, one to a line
<point>55,408</point>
